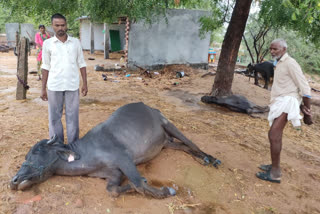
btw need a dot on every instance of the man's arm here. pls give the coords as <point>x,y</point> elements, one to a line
<point>46,59</point>
<point>305,90</point>
<point>84,89</point>
<point>44,95</point>
<point>306,110</point>
<point>83,69</point>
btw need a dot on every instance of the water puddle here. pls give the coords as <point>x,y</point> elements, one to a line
<point>194,101</point>
<point>186,97</point>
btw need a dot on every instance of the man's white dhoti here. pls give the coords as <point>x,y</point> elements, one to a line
<point>286,104</point>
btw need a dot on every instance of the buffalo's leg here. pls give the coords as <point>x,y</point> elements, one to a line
<point>187,145</point>
<point>138,183</point>
<point>266,80</point>
<point>114,187</point>
<point>256,81</point>
<point>201,157</point>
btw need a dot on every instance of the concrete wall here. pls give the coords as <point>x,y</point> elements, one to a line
<point>175,42</point>
<point>85,34</point>
<point>28,31</point>
<point>98,37</point>
<point>11,29</point>
<point>98,34</point>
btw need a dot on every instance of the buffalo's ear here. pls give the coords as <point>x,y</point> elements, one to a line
<point>68,155</point>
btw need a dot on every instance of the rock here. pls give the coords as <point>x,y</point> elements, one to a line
<point>23,209</point>
<point>79,203</point>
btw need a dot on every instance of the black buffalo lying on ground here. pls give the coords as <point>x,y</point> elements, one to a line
<point>133,134</point>
<point>235,103</point>
<point>265,69</point>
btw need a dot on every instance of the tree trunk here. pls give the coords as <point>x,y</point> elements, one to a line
<point>230,47</point>
<point>22,69</point>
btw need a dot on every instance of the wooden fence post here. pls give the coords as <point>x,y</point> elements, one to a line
<point>106,41</point>
<point>22,69</point>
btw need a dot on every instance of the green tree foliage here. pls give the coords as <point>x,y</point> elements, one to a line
<point>39,11</point>
<point>306,53</point>
<point>6,16</point>
<point>301,16</point>
<point>110,10</point>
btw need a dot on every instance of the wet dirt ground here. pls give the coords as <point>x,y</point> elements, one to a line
<point>238,140</point>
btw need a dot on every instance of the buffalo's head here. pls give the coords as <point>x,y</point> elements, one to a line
<point>41,162</point>
<point>250,69</point>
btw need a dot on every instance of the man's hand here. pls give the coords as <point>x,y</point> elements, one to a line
<point>305,110</point>
<point>44,95</point>
<point>84,90</point>
<point>307,117</point>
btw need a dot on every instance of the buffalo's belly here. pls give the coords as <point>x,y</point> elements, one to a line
<point>148,149</point>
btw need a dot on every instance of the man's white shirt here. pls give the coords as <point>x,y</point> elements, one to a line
<point>62,60</point>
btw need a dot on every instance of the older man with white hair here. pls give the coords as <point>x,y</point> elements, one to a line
<point>290,88</point>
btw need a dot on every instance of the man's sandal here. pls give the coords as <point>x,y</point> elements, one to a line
<point>267,177</point>
<point>265,167</point>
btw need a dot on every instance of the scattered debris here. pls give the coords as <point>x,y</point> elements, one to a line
<point>117,66</point>
<point>128,75</point>
<point>180,205</point>
<point>104,77</point>
<point>147,73</point>
<point>213,65</point>
<point>180,74</point>
<point>156,73</point>
<point>122,59</point>
<point>241,71</point>
<point>144,72</point>
<point>4,48</point>
<point>90,58</point>
<point>101,68</point>
<point>209,74</point>
<point>176,83</point>
<point>98,68</point>
<point>33,199</point>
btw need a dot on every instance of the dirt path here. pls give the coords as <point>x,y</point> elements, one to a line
<point>238,140</point>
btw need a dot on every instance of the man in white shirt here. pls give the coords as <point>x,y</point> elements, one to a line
<point>289,90</point>
<point>62,57</point>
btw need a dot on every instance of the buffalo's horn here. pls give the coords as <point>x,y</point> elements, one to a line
<point>53,139</point>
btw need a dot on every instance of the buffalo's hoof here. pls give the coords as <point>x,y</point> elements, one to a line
<point>206,160</point>
<point>172,191</point>
<point>169,191</point>
<point>144,180</point>
<point>216,163</point>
